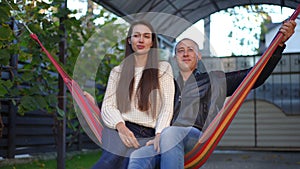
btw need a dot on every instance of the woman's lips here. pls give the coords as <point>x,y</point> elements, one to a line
<point>140,46</point>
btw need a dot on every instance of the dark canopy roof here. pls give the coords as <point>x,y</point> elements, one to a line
<point>175,16</point>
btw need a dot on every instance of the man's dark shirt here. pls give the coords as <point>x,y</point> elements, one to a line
<point>199,99</point>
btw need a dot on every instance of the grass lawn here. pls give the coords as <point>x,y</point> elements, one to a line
<point>83,160</point>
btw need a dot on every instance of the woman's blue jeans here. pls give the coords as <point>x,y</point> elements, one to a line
<point>115,155</point>
<point>175,141</point>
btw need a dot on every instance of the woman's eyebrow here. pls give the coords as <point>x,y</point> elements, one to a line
<point>142,33</point>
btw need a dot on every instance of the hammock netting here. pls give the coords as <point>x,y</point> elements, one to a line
<point>90,113</point>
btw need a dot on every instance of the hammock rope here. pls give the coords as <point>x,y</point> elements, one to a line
<point>89,110</point>
<point>211,136</point>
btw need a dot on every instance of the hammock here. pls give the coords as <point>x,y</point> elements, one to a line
<point>212,135</point>
<point>89,110</point>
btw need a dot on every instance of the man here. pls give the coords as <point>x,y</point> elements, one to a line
<point>198,98</point>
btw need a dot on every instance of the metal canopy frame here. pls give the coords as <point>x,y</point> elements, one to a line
<point>190,11</point>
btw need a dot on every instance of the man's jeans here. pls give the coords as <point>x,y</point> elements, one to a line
<point>175,141</point>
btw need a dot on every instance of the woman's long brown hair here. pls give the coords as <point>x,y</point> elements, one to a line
<point>149,80</point>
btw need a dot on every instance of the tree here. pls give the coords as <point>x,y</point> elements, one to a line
<point>32,84</point>
<point>246,20</point>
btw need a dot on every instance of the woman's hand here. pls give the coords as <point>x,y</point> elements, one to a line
<point>89,97</point>
<point>155,143</point>
<point>127,136</point>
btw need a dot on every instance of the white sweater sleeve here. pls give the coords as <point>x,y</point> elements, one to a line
<point>167,93</point>
<point>110,113</point>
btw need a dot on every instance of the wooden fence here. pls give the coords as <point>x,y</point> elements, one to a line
<point>35,133</point>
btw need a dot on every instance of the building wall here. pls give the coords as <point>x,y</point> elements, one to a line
<point>267,127</point>
<point>270,116</point>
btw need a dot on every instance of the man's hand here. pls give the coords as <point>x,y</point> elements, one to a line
<point>287,29</point>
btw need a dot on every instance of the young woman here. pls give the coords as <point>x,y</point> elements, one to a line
<point>138,103</point>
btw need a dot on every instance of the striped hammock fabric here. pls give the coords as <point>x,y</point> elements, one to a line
<point>212,135</point>
<point>89,110</point>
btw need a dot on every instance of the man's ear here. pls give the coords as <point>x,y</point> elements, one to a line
<point>199,55</point>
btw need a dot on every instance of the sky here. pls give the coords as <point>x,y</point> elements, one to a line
<point>221,25</point>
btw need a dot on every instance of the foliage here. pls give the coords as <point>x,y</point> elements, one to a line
<point>245,19</point>
<point>33,83</point>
